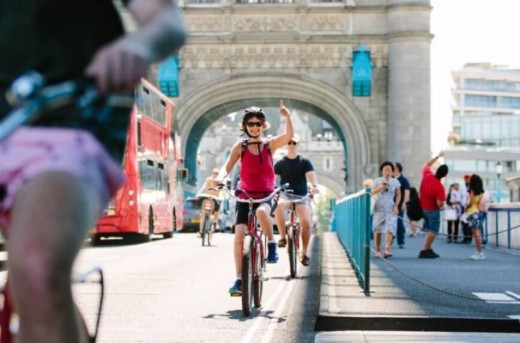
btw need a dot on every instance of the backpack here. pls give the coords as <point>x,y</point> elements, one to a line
<point>245,143</point>
<point>413,206</point>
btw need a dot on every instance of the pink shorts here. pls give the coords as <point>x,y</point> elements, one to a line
<point>32,151</point>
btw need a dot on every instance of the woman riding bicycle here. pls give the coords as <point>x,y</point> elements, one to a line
<point>256,178</point>
<point>296,170</point>
<point>57,176</point>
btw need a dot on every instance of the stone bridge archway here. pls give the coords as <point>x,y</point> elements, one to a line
<point>199,109</point>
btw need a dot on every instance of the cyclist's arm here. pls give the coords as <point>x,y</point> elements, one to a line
<point>313,179</point>
<point>162,30</point>
<point>203,188</point>
<point>233,158</point>
<point>281,140</point>
<point>119,65</point>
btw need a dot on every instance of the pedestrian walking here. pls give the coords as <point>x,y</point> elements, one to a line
<point>385,208</point>
<point>405,196</point>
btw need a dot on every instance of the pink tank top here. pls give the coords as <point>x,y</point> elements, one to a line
<point>257,173</point>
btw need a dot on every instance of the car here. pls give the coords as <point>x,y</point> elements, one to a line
<point>191,215</point>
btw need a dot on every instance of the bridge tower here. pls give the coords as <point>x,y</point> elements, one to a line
<point>254,52</point>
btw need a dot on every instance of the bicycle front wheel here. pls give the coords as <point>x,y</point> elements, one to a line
<point>292,250</point>
<point>258,282</point>
<point>247,276</point>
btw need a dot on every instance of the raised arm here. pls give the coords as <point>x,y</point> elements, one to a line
<point>434,158</point>
<point>281,140</point>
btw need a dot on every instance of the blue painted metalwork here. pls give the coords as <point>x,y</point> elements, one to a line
<point>361,72</point>
<point>497,211</point>
<point>168,76</point>
<point>351,222</point>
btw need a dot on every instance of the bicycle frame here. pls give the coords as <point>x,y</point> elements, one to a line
<point>253,252</point>
<point>293,231</point>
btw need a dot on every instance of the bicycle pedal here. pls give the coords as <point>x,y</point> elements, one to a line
<point>235,294</point>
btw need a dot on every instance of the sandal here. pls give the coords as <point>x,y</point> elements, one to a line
<point>306,260</point>
<point>378,253</point>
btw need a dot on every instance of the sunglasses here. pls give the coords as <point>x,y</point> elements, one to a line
<point>254,123</point>
<point>292,143</point>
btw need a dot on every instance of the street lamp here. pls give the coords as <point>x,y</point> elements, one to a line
<point>498,169</point>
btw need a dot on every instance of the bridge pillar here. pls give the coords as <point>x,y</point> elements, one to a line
<point>409,139</point>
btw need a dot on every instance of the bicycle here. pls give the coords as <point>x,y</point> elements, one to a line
<point>293,230</point>
<point>253,252</point>
<point>210,226</point>
<point>32,99</point>
<point>9,319</point>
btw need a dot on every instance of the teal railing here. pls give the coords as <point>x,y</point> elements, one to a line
<point>351,222</point>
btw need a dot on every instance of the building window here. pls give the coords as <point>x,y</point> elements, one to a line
<point>265,1</point>
<point>480,100</point>
<point>193,2</point>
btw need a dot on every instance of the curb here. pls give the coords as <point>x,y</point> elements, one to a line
<point>394,323</point>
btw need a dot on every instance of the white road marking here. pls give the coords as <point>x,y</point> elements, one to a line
<point>268,335</point>
<point>249,337</point>
<point>514,295</point>
<point>497,298</point>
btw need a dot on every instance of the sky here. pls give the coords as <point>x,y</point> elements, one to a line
<point>468,31</point>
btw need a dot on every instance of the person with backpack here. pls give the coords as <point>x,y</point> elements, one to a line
<point>413,211</point>
<point>257,178</point>
<point>473,215</point>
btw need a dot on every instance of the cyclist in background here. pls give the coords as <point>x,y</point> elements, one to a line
<point>58,175</point>
<point>209,190</point>
<point>297,171</point>
<point>256,178</point>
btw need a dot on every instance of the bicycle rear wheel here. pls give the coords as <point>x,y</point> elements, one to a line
<point>292,250</point>
<point>247,276</point>
<point>205,231</point>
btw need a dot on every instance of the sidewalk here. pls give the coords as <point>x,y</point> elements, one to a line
<point>445,299</point>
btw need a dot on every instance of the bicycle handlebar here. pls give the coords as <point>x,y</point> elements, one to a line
<point>223,187</point>
<point>298,198</point>
<point>30,98</point>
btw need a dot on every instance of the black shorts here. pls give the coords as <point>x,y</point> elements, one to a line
<point>216,203</point>
<point>242,210</point>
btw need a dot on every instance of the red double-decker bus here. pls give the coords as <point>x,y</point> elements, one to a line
<point>150,201</point>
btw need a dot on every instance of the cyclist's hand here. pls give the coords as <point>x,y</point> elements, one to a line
<point>284,112</point>
<point>118,66</point>
<point>315,190</point>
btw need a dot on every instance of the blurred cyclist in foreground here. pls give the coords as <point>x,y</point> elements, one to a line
<point>57,175</point>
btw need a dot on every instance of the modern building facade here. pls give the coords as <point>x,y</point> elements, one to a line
<point>486,125</point>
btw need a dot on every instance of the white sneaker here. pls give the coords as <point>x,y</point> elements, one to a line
<point>478,256</point>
